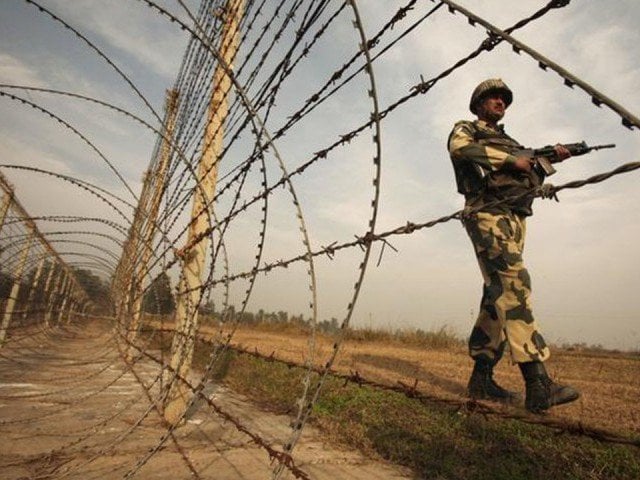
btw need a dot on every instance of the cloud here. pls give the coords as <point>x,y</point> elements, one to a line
<point>136,31</point>
<point>434,277</point>
<point>16,72</point>
<point>21,152</point>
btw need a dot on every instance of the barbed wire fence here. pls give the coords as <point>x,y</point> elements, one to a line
<point>222,113</point>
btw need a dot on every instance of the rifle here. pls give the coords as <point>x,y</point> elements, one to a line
<point>545,156</point>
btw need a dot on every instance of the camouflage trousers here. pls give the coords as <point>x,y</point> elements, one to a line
<point>505,314</point>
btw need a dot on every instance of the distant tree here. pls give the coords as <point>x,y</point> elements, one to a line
<point>283,316</point>
<point>158,297</point>
<point>229,313</point>
<point>208,308</point>
<point>334,324</point>
<point>96,288</point>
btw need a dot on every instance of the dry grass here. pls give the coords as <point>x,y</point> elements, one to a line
<point>436,442</point>
<point>610,384</point>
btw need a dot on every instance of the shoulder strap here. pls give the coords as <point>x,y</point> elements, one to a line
<point>494,138</point>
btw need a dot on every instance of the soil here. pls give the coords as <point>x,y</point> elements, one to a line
<point>71,408</point>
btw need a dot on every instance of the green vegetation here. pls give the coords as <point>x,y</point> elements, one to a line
<point>158,299</point>
<point>435,442</point>
<point>96,288</point>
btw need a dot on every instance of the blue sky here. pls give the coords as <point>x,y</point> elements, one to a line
<point>582,253</point>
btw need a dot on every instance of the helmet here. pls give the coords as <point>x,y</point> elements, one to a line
<point>490,85</point>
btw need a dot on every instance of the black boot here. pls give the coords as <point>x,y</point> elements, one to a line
<point>542,392</point>
<point>482,386</point>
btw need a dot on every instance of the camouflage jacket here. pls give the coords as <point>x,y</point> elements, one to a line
<point>483,159</point>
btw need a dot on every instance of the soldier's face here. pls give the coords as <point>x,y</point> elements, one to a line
<point>492,108</point>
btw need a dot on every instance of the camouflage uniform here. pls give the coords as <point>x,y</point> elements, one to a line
<point>481,157</point>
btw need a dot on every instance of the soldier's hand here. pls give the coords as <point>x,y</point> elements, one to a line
<point>523,163</point>
<point>562,152</point>
<point>547,190</point>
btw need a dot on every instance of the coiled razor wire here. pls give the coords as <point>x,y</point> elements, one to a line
<point>255,93</point>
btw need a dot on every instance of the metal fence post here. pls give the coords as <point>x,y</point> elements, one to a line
<point>15,289</point>
<point>190,293</point>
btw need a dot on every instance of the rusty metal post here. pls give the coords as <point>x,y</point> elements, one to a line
<point>71,304</point>
<point>48,288</point>
<point>15,289</point>
<point>9,200</point>
<point>34,286</point>
<point>128,261</point>
<point>4,208</point>
<point>125,279</point>
<point>74,309</point>
<point>55,294</point>
<point>66,292</point>
<point>73,300</point>
<point>189,296</point>
<point>157,180</point>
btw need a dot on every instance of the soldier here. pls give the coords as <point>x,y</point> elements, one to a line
<point>498,187</point>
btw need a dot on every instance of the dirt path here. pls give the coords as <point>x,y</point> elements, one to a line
<point>610,384</point>
<point>69,408</point>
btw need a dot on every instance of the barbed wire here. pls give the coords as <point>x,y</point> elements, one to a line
<point>276,40</point>
<point>69,127</point>
<point>410,227</point>
<point>496,35</point>
<point>463,405</point>
<point>98,52</point>
<point>282,457</point>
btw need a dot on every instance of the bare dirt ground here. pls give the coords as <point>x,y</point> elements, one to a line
<point>70,408</point>
<point>609,383</point>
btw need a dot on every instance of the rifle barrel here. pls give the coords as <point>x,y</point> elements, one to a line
<point>600,147</point>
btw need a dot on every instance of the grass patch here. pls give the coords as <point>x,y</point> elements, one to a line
<point>442,338</point>
<point>434,441</point>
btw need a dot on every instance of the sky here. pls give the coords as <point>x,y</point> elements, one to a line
<point>582,252</point>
